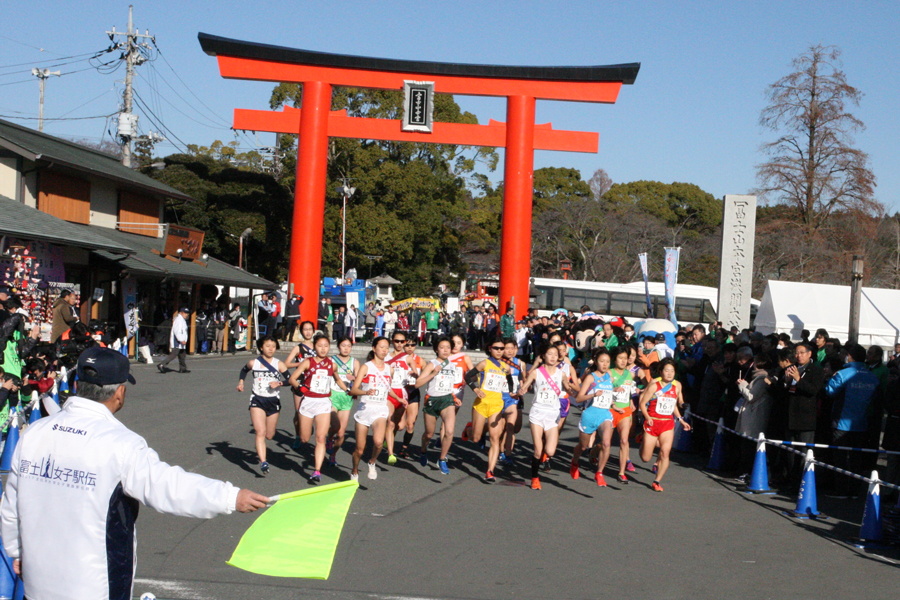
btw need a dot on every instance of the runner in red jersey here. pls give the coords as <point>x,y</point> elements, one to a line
<point>315,408</point>
<point>659,402</point>
<point>401,367</point>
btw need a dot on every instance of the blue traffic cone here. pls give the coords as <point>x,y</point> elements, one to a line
<point>759,479</point>
<point>717,457</point>
<point>35,408</point>
<point>12,438</point>
<point>682,436</point>
<point>870,532</point>
<point>806,500</point>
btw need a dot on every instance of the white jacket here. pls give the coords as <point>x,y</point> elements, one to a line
<point>179,336</point>
<point>72,496</point>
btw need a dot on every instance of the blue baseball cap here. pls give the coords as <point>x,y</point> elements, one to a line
<point>102,366</point>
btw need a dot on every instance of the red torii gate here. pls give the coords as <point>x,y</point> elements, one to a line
<point>315,122</point>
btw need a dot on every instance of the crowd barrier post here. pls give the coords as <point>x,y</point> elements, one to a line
<point>12,438</point>
<point>870,532</point>
<point>759,479</point>
<point>717,456</point>
<point>682,436</point>
<point>807,507</point>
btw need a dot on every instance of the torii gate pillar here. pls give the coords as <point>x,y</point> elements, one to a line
<point>309,196</point>
<point>518,192</point>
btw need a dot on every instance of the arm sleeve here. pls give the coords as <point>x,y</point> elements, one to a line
<point>170,489</point>
<point>9,512</point>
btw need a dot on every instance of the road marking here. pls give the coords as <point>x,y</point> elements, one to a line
<point>173,587</point>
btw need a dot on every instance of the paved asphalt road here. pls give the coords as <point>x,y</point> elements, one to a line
<point>414,533</point>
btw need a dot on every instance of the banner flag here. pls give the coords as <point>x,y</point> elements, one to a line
<point>671,280</point>
<point>298,535</point>
<point>644,271</point>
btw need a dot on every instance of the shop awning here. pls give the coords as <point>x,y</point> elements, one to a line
<point>21,221</point>
<point>147,262</point>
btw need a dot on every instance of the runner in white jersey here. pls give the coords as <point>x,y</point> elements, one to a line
<point>373,384</point>
<point>544,414</point>
<point>269,376</point>
<point>439,376</point>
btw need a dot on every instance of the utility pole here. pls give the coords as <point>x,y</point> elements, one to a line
<point>42,75</point>
<point>132,54</point>
<point>855,298</point>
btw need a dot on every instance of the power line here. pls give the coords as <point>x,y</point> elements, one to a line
<point>183,113</point>
<point>56,118</point>
<point>31,62</point>
<point>27,45</point>
<point>158,122</point>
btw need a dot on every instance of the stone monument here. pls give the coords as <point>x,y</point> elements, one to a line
<point>736,266</point>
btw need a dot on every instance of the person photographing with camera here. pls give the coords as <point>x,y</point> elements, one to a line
<point>71,499</point>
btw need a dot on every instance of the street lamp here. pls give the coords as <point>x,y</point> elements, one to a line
<point>346,192</point>
<point>245,234</point>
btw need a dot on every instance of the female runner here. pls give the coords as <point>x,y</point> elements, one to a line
<point>462,364</point>
<point>439,375</point>
<point>544,415</point>
<point>658,403</point>
<point>373,383</point>
<point>513,404</point>
<point>412,397</point>
<point>298,353</point>
<point>597,393</point>
<point>346,367</point>
<point>493,376</point>
<point>623,407</point>
<point>269,375</point>
<point>402,369</point>
<point>318,378</point>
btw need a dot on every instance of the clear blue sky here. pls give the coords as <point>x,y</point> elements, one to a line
<point>691,115</point>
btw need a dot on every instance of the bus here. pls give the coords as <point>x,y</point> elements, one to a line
<point>693,303</point>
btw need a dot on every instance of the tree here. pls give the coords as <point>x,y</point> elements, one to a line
<point>687,209</point>
<point>600,183</point>
<point>813,166</point>
<point>557,184</point>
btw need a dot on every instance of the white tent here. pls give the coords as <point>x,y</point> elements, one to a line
<point>790,307</point>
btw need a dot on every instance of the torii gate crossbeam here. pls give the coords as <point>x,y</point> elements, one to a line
<point>315,122</point>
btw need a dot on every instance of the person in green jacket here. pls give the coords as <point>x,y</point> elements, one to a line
<point>508,325</point>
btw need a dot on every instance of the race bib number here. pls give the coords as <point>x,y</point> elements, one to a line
<point>411,380</point>
<point>546,398</point>
<point>665,406</point>
<point>443,385</point>
<point>320,383</point>
<point>379,397</point>
<point>603,399</point>
<point>398,379</point>
<point>624,397</point>
<point>457,375</point>
<point>493,382</point>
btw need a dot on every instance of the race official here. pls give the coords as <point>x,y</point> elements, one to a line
<point>72,495</point>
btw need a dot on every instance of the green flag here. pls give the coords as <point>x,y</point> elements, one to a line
<point>297,536</point>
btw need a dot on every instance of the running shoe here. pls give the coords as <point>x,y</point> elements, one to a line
<point>264,468</point>
<point>601,482</point>
<point>506,460</point>
<point>423,459</point>
<point>657,487</point>
<point>622,479</point>
<point>465,433</point>
<point>392,460</point>
<point>316,477</point>
<point>404,453</point>
<point>296,444</point>
<point>545,467</point>
<point>354,476</point>
<point>573,470</point>
<point>535,483</point>
<point>489,477</point>
<point>629,466</point>
<point>445,469</point>
<point>332,460</point>
<point>435,443</point>
<point>655,467</point>
<point>373,472</point>
<point>329,445</point>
